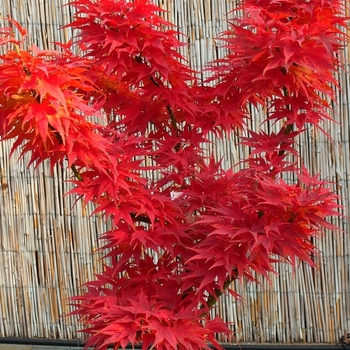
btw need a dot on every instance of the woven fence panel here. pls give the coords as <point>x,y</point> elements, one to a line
<point>49,245</point>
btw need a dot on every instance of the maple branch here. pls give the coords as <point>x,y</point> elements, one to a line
<point>213,298</point>
<point>168,108</point>
<point>140,59</point>
<point>60,140</point>
<point>288,130</point>
<point>141,217</point>
<point>172,117</point>
<point>289,127</point>
<point>76,172</point>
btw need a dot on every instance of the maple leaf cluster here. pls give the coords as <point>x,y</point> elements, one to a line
<point>131,119</point>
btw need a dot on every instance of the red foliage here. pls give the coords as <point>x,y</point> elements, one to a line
<point>44,104</point>
<point>285,52</point>
<point>131,118</point>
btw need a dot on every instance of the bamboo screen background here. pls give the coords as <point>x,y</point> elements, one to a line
<point>48,246</point>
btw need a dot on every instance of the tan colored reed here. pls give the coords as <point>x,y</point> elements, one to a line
<point>49,247</point>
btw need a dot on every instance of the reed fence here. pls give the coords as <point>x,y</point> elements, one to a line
<point>49,246</point>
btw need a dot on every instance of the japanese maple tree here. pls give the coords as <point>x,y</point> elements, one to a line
<point>131,120</point>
